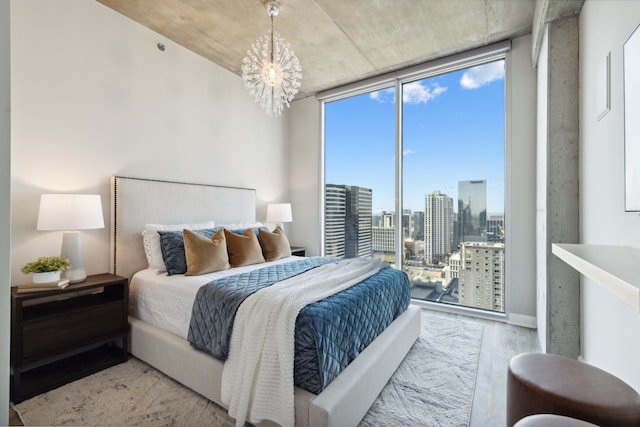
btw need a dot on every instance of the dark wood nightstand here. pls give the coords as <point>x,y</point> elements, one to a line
<point>62,335</point>
<point>298,250</point>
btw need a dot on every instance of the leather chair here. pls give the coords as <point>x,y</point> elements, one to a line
<point>539,383</point>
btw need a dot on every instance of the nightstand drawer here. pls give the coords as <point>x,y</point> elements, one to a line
<point>71,329</point>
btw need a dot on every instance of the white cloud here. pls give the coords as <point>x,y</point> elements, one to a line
<point>482,74</point>
<point>408,151</point>
<point>383,95</point>
<point>412,93</point>
<point>416,93</point>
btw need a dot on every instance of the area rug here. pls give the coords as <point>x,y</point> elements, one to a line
<point>433,386</point>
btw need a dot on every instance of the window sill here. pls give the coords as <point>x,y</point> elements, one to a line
<point>615,268</point>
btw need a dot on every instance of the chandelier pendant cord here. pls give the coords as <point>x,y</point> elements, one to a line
<point>272,88</point>
<point>271,37</point>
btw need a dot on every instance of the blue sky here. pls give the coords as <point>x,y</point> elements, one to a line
<point>453,127</point>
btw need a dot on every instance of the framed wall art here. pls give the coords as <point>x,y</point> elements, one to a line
<point>603,96</point>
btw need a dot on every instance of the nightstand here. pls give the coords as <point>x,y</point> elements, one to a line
<point>62,335</point>
<point>298,250</point>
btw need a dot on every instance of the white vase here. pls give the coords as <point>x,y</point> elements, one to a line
<point>47,276</point>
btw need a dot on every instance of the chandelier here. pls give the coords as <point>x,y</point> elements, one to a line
<point>271,71</point>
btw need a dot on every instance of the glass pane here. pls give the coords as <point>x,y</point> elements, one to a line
<point>360,176</point>
<point>453,187</point>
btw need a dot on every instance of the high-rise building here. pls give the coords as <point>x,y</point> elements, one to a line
<point>335,210</point>
<point>388,220</point>
<point>358,222</point>
<point>472,212</point>
<point>418,226</point>
<point>347,221</point>
<point>384,239</point>
<point>453,269</point>
<point>376,220</point>
<point>438,226</point>
<point>407,224</point>
<point>481,276</point>
<point>414,250</point>
<point>495,228</point>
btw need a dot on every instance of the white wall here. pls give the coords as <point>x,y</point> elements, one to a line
<point>610,328</point>
<point>306,186</point>
<point>92,96</point>
<point>5,199</point>
<point>521,184</point>
<point>306,189</point>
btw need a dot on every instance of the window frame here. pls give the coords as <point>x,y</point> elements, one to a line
<point>396,79</point>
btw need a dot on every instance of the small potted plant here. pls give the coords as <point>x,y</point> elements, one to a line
<point>46,269</point>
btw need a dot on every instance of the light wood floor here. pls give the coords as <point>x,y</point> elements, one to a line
<point>500,342</point>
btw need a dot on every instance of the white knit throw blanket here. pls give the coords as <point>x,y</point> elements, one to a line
<point>257,380</point>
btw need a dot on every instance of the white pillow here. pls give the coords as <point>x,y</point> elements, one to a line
<point>240,225</point>
<point>151,240</point>
<point>147,247</point>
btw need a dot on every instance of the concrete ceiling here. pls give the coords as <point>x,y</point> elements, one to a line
<point>337,41</point>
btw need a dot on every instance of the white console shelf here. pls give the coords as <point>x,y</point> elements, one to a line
<point>615,268</point>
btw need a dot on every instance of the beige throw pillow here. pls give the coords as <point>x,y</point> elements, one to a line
<point>243,249</point>
<point>203,254</point>
<point>274,245</point>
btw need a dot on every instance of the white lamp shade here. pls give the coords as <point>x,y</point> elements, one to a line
<point>279,212</point>
<point>70,212</point>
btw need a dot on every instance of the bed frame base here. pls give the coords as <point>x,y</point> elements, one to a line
<point>343,403</point>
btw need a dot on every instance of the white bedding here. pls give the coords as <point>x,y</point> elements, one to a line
<point>166,301</point>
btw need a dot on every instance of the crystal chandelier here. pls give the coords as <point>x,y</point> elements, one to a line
<point>271,71</point>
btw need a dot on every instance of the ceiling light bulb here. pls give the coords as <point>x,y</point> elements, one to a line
<point>272,74</point>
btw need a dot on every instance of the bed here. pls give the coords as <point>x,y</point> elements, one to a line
<point>136,202</point>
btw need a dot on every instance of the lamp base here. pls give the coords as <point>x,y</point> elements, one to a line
<point>72,249</point>
<point>75,275</point>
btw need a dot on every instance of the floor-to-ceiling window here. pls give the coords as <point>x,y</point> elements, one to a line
<point>419,179</point>
<point>453,186</point>
<point>359,177</point>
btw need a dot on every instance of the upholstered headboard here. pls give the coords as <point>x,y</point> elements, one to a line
<point>136,202</point>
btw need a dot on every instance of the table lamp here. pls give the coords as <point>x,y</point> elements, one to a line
<point>71,213</point>
<point>279,213</point>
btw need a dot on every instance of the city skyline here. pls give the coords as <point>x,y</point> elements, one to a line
<point>453,131</point>
<point>451,259</point>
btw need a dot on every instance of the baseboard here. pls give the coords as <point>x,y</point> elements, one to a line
<point>522,320</point>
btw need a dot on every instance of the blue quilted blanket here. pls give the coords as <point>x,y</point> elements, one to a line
<point>216,303</point>
<point>329,333</point>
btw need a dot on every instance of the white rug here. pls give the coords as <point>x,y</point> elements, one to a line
<point>435,383</point>
<point>433,386</point>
